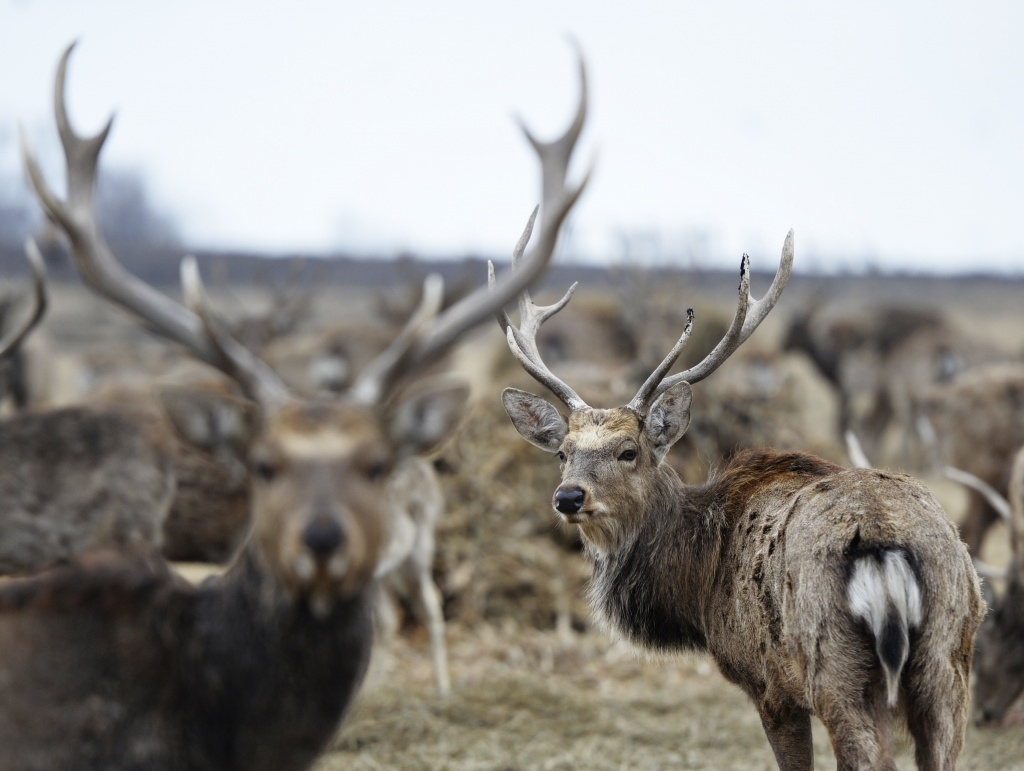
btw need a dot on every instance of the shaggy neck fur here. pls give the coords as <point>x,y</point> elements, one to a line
<point>653,590</point>
<point>650,590</point>
<point>271,682</point>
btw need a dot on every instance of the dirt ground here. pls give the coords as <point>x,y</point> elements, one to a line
<point>535,684</point>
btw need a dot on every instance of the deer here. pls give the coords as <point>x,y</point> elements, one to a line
<point>112,472</point>
<point>818,590</point>
<point>114,662</point>
<point>999,647</point>
<point>974,423</point>
<point>76,478</point>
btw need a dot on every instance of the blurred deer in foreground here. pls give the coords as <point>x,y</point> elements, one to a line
<point>999,648</point>
<point>843,593</point>
<point>76,478</point>
<point>115,663</point>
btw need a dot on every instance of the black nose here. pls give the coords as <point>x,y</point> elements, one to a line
<point>322,536</point>
<point>569,501</point>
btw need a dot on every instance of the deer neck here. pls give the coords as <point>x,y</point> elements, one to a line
<point>254,646</point>
<point>653,588</point>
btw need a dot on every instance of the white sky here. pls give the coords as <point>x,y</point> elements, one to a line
<point>886,134</point>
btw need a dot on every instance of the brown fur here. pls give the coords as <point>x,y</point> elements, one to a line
<point>209,513</point>
<point>755,567</point>
<point>978,419</point>
<point>77,479</point>
<point>999,653</point>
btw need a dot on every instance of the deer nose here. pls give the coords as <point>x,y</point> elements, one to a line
<point>569,501</point>
<point>322,536</point>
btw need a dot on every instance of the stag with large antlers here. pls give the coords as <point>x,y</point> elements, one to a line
<point>843,593</point>
<point>113,663</point>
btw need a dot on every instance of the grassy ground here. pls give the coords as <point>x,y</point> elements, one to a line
<point>540,701</point>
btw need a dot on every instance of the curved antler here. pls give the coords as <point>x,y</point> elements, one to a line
<point>435,335</point>
<point>16,336</point>
<point>254,375</point>
<point>554,158</point>
<point>98,266</point>
<point>522,341</point>
<point>749,314</point>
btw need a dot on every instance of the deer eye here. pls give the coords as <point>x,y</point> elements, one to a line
<point>627,455</point>
<point>561,457</point>
<point>376,466</point>
<point>265,469</point>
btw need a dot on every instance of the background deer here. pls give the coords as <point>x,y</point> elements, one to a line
<point>976,424</point>
<point>113,473</point>
<point>999,648</point>
<point>115,663</point>
<point>76,478</point>
<point>840,593</point>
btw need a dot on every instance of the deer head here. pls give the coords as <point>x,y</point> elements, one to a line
<point>608,456</point>
<point>319,466</point>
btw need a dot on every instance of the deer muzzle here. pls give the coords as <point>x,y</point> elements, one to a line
<point>569,500</point>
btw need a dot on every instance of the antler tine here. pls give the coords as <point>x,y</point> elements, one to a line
<point>438,334</point>
<point>554,159</point>
<point>255,377</point>
<point>522,341</point>
<point>998,503</point>
<point>749,314</point>
<point>554,155</point>
<point>15,337</point>
<point>376,378</point>
<point>94,259</point>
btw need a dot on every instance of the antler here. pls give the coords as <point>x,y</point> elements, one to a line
<point>749,314</point>
<point>15,337</point>
<point>522,341</point>
<point>99,267</point>
<point>1010,511</point>
<point>554,158</point>
<point>431,336</point>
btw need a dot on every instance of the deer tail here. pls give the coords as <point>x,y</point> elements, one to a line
<point>884,592</point>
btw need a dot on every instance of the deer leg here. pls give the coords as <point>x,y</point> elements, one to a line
<point>426,602</point>
<point>860,733</point>
<point>937,724</point>
<point>789,733</point>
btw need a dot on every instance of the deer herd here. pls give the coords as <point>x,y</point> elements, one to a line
<point>844,593</point>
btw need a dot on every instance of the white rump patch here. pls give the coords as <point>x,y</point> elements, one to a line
<point>874,585</point>
<point>885,594</point>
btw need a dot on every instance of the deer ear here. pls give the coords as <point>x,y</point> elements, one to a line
<point>537,420</point>
<point>216,422</point>
<point>427,415</point>
<point>669,418</point>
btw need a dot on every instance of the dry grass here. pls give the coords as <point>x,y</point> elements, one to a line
<point>535,700</point>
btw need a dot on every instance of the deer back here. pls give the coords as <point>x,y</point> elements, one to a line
<point>75,479</point>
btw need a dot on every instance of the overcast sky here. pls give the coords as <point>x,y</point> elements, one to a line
<point>885,134</point>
